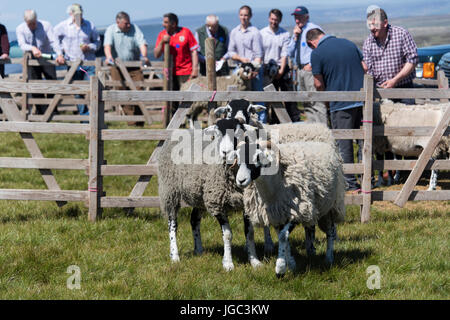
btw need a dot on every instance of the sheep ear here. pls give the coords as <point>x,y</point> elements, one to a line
<point>221,110</point>
<point>253,108</point>
<point>211,130</point>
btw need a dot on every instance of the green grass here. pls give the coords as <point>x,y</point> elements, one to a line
<point>127,256</point>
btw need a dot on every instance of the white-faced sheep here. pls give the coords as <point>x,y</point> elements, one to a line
<point>400,115</point>
<point>307,188</point>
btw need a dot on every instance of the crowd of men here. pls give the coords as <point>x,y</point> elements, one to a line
<point>323,62</point>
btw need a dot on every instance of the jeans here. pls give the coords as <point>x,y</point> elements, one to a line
<point>348,119</point>
<point>88,72</point>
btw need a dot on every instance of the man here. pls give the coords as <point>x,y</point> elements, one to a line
<point>183,48</point>
<point>126,41</point>
<point>246,47</point>
<point>37,37</point>
<point>79,40</point>
<point>212,29</point>
<point>337,66</point>
<point>390,53</point>
<point>275,45</point>
<point>4,48</point>
<point>300,54</point>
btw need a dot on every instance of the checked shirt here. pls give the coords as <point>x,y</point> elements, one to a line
<point>385,60</point>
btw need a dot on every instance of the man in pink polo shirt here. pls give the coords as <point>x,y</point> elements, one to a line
<point>183,48</point>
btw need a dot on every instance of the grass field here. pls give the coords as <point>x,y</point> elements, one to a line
<point>127,256</point>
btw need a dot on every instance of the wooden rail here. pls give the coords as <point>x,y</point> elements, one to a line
<point>97,132</point>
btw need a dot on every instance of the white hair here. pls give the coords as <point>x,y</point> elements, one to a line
<point>30,15</point>
<point>212,19</point>
<point>72,8</point>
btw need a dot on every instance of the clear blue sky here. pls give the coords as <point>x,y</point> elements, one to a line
<point>102,12</point>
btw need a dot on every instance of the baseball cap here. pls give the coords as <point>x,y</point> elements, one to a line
<point>300,10</point>
<point>75,9</point>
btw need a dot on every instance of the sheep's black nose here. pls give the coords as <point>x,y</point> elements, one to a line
<point>241,181</point>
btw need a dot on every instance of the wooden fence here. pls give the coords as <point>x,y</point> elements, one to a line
<point>97,133</point>
<point>155,80</point>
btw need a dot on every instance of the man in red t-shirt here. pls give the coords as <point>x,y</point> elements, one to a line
<point>183,48</point>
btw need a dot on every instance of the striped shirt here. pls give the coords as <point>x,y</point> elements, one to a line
<point>42,37</point>
<point>385,60</point>
<point>71,37</point>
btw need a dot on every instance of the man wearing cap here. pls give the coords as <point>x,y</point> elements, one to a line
<point>36,36</point>
<point>126,41</point>
<point>390,53</point>
<point>337,66</point>
<point>300,53</point>
<point>79,40</point>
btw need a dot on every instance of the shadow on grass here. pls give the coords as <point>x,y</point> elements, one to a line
<point>342,258</point>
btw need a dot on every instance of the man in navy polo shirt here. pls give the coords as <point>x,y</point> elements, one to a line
<point>337,66</point>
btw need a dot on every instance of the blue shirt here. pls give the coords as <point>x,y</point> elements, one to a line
<point>125,45</point>
<point>339,62</point>
<point>299,51</point>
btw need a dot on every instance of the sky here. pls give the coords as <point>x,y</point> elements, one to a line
<point>103,12</point>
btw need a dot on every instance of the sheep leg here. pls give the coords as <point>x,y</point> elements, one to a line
<point>433,180</point>
<point>283,238</point>
<point>397,172</point>
<point>173,239</point>
<point>196,217</point>
<point>268,243</point>
<point>290,258</point>
<point>227,236</point>
<point>310,237</point>
<point>329,227</point>
<point>250,243</point>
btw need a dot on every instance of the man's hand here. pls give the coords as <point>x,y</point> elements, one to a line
<point>389,84</point>
<point>4,56</point>
<point>36,52</point>
<point>307,67</point>
<point>297,30</point>
<point>60,60</point>
<point>166,38</point>
<point>194,74</point>
<point>85,48</point>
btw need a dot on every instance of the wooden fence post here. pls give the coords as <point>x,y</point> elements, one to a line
<point>168,75</point>
<point>442,82</point>
<point>96,122</point>
<point>26,57</point>
<point>366,186</point>
<point>210,54</point>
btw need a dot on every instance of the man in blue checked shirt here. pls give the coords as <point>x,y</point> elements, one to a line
<point>79,40</point>
<point>300,53</point>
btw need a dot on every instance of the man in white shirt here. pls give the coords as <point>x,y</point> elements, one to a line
<point>276,68</point>
<point>37,37</point>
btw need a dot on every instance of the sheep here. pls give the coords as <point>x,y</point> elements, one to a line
<point>207,187</point>
<point>396,114</point>
<point>307,188</point>
<point>222,85</point>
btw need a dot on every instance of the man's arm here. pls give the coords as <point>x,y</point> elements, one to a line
<point>194,56</point>
<point>406,70</point>
<point>159,48</point>
<point>319,83</point>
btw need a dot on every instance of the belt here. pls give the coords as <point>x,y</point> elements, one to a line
<point>301,66</point>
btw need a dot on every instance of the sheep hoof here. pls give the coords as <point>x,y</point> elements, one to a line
<point>228,266</point>
<point>175,259</point>
<point>256,263</point>
<point>292,264</point>
<point>280,267</point>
